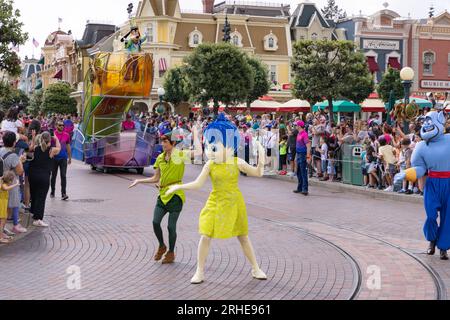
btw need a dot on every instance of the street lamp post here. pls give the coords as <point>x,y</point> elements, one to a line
<point>407,76</point>
<point>161,94</point>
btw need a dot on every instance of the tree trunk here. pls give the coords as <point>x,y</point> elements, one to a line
<point>216,108</point>
<point>249,108</point>
<point>330,106</point>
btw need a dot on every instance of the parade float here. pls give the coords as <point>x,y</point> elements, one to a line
<point>113,82</point>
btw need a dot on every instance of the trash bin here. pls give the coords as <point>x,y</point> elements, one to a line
<point>357,178</point>
<point>351,164</point>
<point>346,163</point>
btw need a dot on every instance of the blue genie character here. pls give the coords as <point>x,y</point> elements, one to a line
<point>224,215</point>
<point>432,156</point>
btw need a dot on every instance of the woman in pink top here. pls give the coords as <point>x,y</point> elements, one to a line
<point>128,125</point>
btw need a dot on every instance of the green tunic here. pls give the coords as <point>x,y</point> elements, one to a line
<point>172,173</point>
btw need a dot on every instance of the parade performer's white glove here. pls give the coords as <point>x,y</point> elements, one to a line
<point>400,177</point>
<point>172,189</point>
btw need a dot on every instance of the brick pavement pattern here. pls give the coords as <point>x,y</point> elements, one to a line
<point>313,248</point>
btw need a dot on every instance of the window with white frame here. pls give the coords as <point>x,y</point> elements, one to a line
<point>428,60</point>
<point>273,74</point>
<point>314,36</point>
<point>236,38</point>
<point>271,42</point>
<point>195,38</point>
<point>449,64</point>
<point>149,32</point>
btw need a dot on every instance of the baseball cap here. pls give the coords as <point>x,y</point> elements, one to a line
<point>300,124</point>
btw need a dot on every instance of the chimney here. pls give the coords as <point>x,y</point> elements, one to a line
<point>208,6</point>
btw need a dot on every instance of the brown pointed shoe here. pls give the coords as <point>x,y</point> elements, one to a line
<point>169,258</point>
<point>160,253</point>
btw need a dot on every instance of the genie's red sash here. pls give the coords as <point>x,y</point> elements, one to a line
<point>439,175</point>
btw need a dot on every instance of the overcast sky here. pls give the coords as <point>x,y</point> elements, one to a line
<point>41,17</point>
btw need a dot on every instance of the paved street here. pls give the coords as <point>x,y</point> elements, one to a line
<point>325,246</point>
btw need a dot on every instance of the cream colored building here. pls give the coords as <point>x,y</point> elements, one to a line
<point>173,34</point>
<point>57,66</point>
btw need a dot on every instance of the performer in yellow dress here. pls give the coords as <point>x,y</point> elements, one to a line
<point>224,215</point>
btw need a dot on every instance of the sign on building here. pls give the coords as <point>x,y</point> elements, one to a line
<point>381,45</point>
<point>435,84</point>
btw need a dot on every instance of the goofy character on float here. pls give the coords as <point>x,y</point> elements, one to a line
<point>432,156</point>
<point>224,215</point>
<point>133,46</point>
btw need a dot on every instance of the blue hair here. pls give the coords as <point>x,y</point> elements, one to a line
<point>223,131</point>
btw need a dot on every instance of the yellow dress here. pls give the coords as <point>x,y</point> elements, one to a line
<point>224,215</point>
<point>3,204</point>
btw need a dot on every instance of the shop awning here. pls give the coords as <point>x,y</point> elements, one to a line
<point>373,105</point>
<point>42,61</point>
<point>339,106</point>
<point>373,65</point>
<point>58,75</point>
<point>162,65</point>
<point>295,105</point>
<point>394,63</point>
<point>422,103</point>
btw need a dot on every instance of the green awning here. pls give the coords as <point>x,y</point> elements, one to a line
<point>42,61</point>
<point>339,106</point>
<point>422,103</point>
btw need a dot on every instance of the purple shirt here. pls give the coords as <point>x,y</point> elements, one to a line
<point>302,142</point>
<point>64,139</point>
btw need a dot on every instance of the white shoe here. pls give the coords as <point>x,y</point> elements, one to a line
<point>389,189</point>
<point>19,229</point>
<point>198,278</point>
<point>259,274</point>
<point>40,223</point>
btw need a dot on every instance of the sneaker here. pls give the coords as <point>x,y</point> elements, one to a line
<point>389,189</point>
<point>291,174</point>
<point>409,191</point>
<point>403,191</point>
<point>8,232</point>
<point>40,223</point>
<point>65,197</point>
<point>52,195</point>
<point>19,229</point>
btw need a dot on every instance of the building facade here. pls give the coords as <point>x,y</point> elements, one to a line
<point>430,54</point>
<point>29,77</point>
<point>57,66</point>
<point>383,37</point>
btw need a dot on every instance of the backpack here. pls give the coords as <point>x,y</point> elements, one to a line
<point>2,163</point>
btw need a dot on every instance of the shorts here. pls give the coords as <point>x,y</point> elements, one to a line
<point>391,169</point>
<point>174,205</point>
<point>291,156</point>
<point>317,155</point>
<point>364,171</point>
<point>371,168</point>
<point>283,160</point>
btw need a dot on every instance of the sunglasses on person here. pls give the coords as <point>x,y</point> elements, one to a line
<point>60,125</point>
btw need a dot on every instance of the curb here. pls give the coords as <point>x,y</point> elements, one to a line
<point>339,186</point>
<point>29,226</point>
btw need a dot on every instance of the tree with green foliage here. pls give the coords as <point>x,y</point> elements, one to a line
<point>56,99</point>
<point>330,70</point>
<point>261,80</point>
<point>175,85</point>
<point>391,81</point>
<point>219,72</point>
<point>11,35</point>
<point>35,106</point>
<point>12,97</point>
<point>333,12</point>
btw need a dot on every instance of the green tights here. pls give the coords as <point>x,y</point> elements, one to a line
<point>173,207</point>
